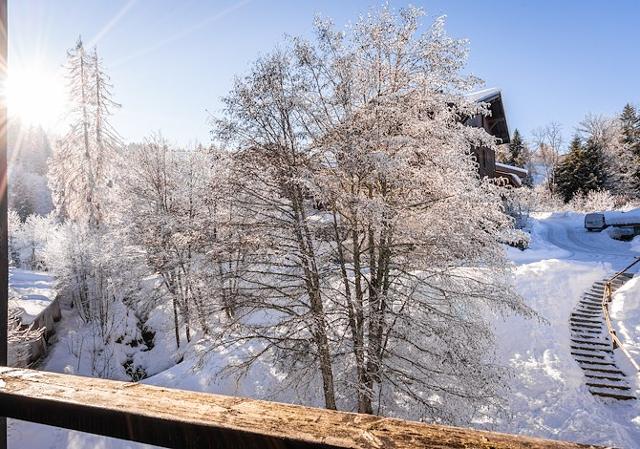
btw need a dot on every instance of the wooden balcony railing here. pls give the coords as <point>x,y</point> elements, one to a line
<point>184,419</point>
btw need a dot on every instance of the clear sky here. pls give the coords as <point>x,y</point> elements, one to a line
<point>172,60</point>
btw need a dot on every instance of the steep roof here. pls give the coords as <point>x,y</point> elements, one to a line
<point>484,95</point>
<point>496,122</point>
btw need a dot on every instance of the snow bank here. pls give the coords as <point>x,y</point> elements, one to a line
<point>625,315</point>
<point>635,244</point>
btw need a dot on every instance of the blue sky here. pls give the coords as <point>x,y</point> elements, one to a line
<point>171,61</point>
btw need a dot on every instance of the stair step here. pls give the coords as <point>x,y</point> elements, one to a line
<point>606,394</point>
<point>594,343</point>
<point>596,363</point>
<point>591,313</point>
<point>589,356</point>
<point>614,387</point>
<point>610,378</point>
<point>594,312</point>
<point>584,320</point>
<point>581,325</point>
<point>591,349</point>
<point>587,316</point>
<point>581,330</point>
<point>590,305</point>
<point>603,370</point>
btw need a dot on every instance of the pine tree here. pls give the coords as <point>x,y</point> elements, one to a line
<point>582,169</point>
<point>567,169</point>
<point>517,150</point>
<point>630,127</point>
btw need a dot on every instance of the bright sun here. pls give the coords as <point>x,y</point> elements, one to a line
<point>36,97</point>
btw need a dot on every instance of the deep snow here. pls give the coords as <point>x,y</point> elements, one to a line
<point>545,396</point>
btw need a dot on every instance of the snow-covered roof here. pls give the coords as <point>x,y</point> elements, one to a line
<point>519,170</point>
<point>484,94</point>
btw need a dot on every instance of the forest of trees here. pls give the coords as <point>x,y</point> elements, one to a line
<point>602,157</point>
<point>336,225</point>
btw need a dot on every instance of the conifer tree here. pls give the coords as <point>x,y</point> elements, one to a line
<point>582,169</point>
<point>517,150</point>
<point>630,130</point>
<point>567,169</point>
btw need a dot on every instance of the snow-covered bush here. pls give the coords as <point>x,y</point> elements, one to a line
<point>518,204</point>
<point>593,201</point>
<point>544,200</point>
<point>28,240</point>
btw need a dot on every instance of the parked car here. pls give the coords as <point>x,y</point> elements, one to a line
<point>624,232</point>
<point>594,222</point>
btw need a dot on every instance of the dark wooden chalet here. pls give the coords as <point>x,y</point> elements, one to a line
<point>495,124</point>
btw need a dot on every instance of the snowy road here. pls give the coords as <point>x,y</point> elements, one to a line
<point>569,234</point>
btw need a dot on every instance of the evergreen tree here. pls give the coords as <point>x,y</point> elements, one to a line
<point>519,156</point>
<point>582,169</point>
<point>517,150</point>
<point>630,130</point>
<point>565,171</point>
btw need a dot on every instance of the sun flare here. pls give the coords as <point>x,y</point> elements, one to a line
<point>36,97</point>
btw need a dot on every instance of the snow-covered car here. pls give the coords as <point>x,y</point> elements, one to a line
<point>594,222</point>
<point>624,232</point>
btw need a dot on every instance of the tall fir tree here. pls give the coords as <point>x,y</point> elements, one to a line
<point>517,150</point>
<point>518,155</point>
<point>630,135</point>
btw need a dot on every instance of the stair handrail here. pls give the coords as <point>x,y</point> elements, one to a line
<point>607,297</point>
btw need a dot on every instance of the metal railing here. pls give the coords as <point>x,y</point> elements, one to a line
<point>607,297</point>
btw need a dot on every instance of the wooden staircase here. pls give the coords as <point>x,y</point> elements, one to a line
<point>591,344</point>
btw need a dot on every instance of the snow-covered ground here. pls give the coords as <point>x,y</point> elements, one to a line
<point>31,292</point>
<point>545,396</point>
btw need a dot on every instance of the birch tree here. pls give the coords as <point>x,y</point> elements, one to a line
<point>375,244</point>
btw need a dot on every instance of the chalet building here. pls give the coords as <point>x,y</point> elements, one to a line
<point>496,125</point>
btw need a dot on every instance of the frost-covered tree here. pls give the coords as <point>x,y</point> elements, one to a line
<point>374,251</point>
<point>80,171</point>
<point>81,176</point>
<point>630,140</point>
<point>548,144</point>
<point>172,216</point>
<point>28,150</point>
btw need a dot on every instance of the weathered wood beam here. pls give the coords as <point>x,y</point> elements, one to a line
<point>177,418</point>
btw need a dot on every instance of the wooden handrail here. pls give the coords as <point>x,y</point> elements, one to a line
<point>607,297</point>
<point>184,419</point>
